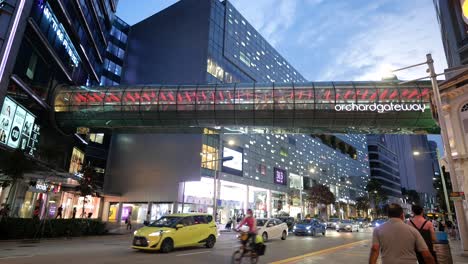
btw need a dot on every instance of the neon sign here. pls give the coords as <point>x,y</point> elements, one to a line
<point>380,108</point>
<point>61,34</point>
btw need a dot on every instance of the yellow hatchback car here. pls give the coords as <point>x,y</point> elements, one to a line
<point>176,231</point>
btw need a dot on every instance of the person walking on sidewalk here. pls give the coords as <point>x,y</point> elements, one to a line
<point>128,221</point>
<point>426,230</point>
<point>397,241</point>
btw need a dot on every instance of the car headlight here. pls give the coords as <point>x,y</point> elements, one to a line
<point>155,234</point>
<point>308,227</point>
<point>134,233</point>
<point>348,226</point>
<point>377,224</point>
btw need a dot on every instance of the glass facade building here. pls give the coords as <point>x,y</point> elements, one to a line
<point>201,65</point>
<point>49,44</point>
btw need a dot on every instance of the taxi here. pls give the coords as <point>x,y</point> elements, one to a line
<point>176,231</point>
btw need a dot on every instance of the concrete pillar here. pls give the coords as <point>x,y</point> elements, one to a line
<point>119,212</point>
<point>246,204</point>
<point>148,213</point>
<point>103,210</point>
<point>268,202</point>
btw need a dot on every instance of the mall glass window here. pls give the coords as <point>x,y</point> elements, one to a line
<point>96,138</point>
<point>209,155</point>
<point>283,152</point>
<point>261,169</point>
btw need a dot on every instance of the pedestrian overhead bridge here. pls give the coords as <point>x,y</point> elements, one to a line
<point>325,107</point>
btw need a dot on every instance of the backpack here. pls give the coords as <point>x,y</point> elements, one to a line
<point>426,235</point>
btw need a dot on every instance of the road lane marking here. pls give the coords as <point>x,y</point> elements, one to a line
<point>19,256</point>
<point>194,253</point>
<point>320,252</point>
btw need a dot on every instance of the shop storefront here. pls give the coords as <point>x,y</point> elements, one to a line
<point>198,197</point>
<point>138,212</point>
<point>258,201</point>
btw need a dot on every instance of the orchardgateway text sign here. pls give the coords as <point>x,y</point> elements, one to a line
<point>380,108</point>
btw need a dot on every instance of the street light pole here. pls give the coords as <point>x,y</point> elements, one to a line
<point>457,203</point>
<point>444,187</point>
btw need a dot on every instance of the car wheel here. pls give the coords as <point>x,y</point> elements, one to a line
<point>357,230</point>
<point>210,241</point>
<point>265,236</point>
<point>314,233</point>
<point>324,232</point>
<point>284,235</point>
<point>167,245</point>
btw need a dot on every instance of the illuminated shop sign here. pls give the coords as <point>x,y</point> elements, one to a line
<point>233,166</point>
<point>17,127</point>
<point>57,27</point>
<point>280,176</point>
<point>380,108</point>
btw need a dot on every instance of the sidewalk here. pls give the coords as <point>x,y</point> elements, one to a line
<point>358,252</point>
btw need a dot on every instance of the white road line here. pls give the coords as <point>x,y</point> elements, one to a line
<point>195,253</point>
<point>20,256</point>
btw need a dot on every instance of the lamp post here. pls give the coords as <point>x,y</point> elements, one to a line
<point>458,204</point>
<point>215,183</point>
<point>444,186</point>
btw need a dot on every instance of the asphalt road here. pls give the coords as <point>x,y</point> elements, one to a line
<point>116,249</point>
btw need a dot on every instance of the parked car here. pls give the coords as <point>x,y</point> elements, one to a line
<point>288,220</point>
<point>310,227</point>
<point>332,222</point>
<point>347,225</point>
<point>378,222</point>
<point>176,231</point>
<point>270,228</point>
<point>363,223</point>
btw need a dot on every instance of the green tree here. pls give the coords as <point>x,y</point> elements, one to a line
<point>14,165</point>
<point>362,204</point>
<point>319,195</point>
<point>377,197</point>
<point>87,184</point>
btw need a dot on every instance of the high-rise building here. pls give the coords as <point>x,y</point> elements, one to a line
<point>196,42</point>
<point>417,165</point>
<point>209,41</point>
<point>453,21</point>
<point>384,166</point>
<point>45,45</point>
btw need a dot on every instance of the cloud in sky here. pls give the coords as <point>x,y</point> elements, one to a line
<point>339,39</point>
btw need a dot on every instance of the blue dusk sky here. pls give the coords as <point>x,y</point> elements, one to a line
<point>336,40</point>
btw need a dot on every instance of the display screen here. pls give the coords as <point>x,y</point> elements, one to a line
<point>76,161</point>
<point>6,119</point>
<point>233,166</point>
<point>17,127</point>
<point>280,176</point>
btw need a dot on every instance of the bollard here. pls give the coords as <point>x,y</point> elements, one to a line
<point>442,249</point>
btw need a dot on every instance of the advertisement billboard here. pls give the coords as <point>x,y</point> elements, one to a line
<point>6,119</point>
<point>76,161</point>
<point>233,166</point>
<point>280,176</point>
<point>17,127</point>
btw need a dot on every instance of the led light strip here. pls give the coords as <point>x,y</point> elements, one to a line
<point>10,39</point>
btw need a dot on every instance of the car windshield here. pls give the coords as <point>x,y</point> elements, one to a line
<point>166,221</point>
<point>261,222</point>
<point>347,221</point>
<point>305,222</point>
<point>334,219</point>
<point>361,219</point>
